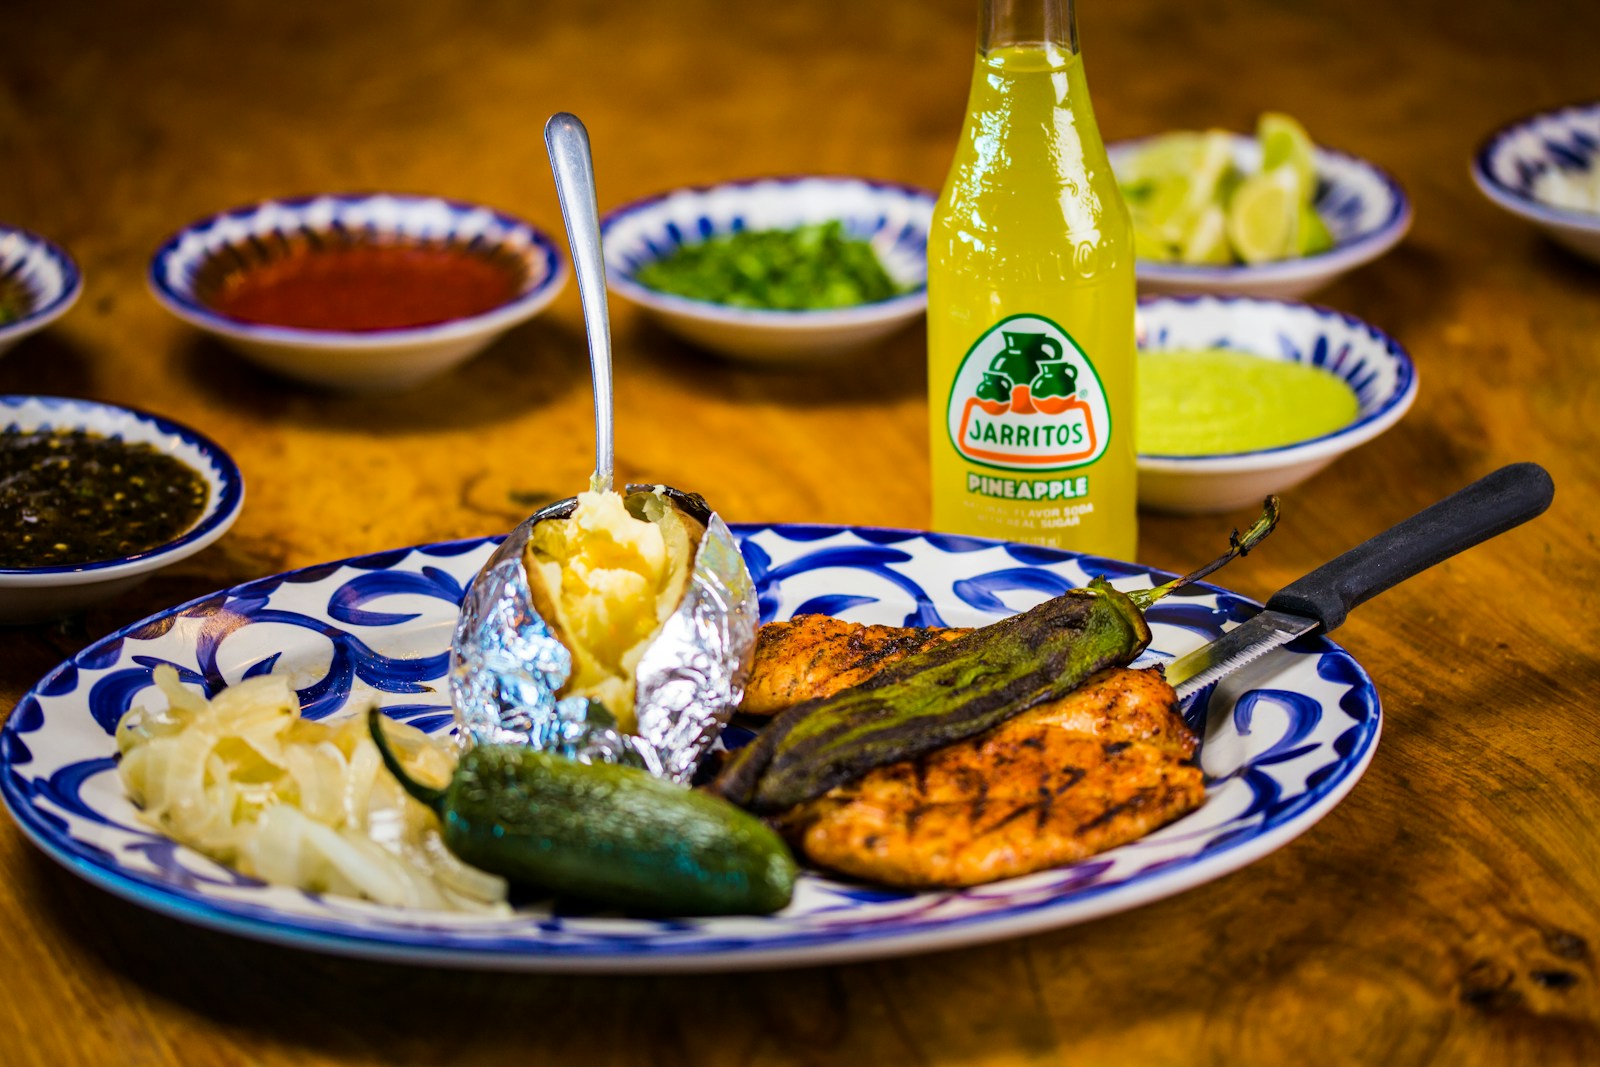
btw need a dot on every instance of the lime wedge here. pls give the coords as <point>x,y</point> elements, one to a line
<point>1152,246</point>
<point>1211,168</point>
<point>1285,141</point>
<point>1264,215</point>
<point>1167,211</point>
<point>1313,236</point>
<point>1207,239</point>
<point>1169,153</point>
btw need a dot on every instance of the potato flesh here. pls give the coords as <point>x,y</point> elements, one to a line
<point>612,572</point>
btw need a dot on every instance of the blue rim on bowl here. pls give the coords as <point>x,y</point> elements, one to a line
<point>1512,158</point>
<point>203,455</point>
<point>1385,386</point>
<point>177,262</point>
<point>1365,209</point>
<point>893,216</point>
<point>43,269</point>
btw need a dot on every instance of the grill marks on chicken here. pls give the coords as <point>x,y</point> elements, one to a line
<point>1101,767</point>
<point>817,655</point>
<point>1104,765</point>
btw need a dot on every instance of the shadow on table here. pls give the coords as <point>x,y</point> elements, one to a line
<point>526,368</point>
<point>894,368</point>
<point>1399,294</point>
<point>45,364</point>
<point>1577,270</point>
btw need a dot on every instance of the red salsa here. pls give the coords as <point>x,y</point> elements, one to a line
<point>69,497</point>
<point>376,286</point>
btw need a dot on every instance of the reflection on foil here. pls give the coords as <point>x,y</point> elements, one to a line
<point>506,666</point>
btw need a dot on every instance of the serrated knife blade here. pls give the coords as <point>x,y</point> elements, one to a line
<point>1245,643</point>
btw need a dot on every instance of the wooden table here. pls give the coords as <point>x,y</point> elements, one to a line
<point>1447,912</point>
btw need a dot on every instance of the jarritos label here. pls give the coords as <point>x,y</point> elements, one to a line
<point>1027,398</point>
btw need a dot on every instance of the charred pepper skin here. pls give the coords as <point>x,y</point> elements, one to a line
<point>604,833</point>
<point>943,695</point>
<point>956,690</point>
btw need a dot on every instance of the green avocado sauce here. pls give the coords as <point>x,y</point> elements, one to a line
<point>69,497</point>
<point>1216,401</point>
<point>803,269</point>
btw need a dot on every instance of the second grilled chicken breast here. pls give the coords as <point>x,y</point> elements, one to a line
<point>1100,767</point>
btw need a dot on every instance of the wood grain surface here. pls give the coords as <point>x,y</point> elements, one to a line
<point>1448,912</point>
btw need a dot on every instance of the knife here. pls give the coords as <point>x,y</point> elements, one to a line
<point>1320,601</point>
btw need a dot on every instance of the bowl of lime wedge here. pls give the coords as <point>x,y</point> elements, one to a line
<point>1270,215</point>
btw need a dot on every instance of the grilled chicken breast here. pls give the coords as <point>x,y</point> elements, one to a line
<point>1100,767</point>
<point>817,655</point>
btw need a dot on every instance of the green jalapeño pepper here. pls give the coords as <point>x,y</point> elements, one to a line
<point>605,833</point>
<point>953,690</point>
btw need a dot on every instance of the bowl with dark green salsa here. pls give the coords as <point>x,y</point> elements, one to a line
<point>94,498</point>
<point>778,269</point>
<point>39,282</point>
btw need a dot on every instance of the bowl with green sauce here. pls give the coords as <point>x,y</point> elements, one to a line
<point>95,498</point>
<point>39,282</point>
<point>1240,397</point>
<point>775,269</point>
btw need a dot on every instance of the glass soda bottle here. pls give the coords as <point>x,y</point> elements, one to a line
<point>1031,360</point>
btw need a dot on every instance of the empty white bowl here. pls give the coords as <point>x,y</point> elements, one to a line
<point>894,218</point>
<point>1365,210</point>
<point>1367,359</point>
<point>32,594</point>
<point>355,360</point>
<point>42,275</point>
<point>1508,166</point>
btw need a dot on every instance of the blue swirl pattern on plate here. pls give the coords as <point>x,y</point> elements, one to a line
<point>1282,748</point>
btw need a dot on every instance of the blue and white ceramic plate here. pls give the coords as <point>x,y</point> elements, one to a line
<point>1514,160</point>
<point>1364,208</point>
<point>893,218</point>
<point>1282,745</point>
<point>42,275</point>
<point>1369,361</point>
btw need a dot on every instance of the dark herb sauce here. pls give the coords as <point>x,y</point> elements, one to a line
<point>69,497</point>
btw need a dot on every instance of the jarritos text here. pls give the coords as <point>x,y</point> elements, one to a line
<point>1028,398</point>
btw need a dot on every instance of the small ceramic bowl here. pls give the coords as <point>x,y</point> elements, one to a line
<point>33,594</point>
<point>894,218</point>
<point>38,279</point>
<point>1375,367</point>
<point>1509,164</point>
<point>1365,210</point>
<point>356,360</point>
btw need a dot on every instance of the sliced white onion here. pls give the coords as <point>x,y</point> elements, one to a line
<point>243,778</point>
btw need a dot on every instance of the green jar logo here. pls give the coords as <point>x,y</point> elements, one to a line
<point>1027,398</point>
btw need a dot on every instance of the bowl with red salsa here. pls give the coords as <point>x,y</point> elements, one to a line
<point>94,498</point>
<point>39,282</point>
<point>361,292</point>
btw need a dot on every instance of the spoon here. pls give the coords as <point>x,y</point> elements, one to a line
<point>573,165</point>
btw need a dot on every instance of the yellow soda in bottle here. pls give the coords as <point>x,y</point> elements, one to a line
<point>1031,360</point>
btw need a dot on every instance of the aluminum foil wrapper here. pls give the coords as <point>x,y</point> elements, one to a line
<point>506,665</point>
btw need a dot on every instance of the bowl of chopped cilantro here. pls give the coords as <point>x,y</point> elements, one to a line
<point>38,283</point>
<point>775,269</point>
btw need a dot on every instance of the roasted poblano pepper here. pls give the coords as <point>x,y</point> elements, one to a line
<point>953,690</point>
<point>604,833</point>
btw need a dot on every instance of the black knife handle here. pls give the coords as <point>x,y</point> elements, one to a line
<point>1487,508</point>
